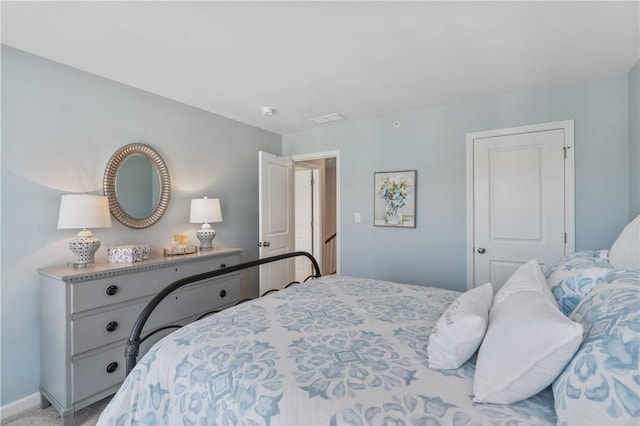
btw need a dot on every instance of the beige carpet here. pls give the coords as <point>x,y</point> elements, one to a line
<point>87,416</point>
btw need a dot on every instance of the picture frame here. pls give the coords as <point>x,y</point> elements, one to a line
<point>395,198</point>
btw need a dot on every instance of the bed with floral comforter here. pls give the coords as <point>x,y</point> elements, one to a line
<point>337,350</point>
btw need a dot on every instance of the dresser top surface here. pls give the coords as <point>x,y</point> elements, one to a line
<point>66,273</point>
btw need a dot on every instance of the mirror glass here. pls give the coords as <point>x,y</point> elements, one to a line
<point>137,185</point>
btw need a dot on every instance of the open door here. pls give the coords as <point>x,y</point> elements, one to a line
<point>276,221</point>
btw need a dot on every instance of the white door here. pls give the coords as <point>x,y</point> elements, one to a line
<point>276,227</point>
<point>522,199</point>
<point>303,221</point>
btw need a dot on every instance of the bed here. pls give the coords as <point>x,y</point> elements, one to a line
<point>347,350</point>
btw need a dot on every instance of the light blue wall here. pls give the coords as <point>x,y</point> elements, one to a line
<point>634,141</point>
<point>433,142</point>
<point>60,126</point>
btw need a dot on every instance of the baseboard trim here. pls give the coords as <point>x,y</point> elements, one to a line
<point>20,405</point>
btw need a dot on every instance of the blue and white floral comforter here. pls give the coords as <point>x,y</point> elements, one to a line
<point>337,350</point>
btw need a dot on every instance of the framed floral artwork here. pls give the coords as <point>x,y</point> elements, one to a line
<point>395,198</point>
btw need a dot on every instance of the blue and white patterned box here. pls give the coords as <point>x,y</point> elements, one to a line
<point>129,253</point>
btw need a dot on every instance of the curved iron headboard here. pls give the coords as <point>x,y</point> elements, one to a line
<point>133,344</point>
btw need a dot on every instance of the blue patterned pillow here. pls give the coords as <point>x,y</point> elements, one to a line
<point>576,275</point>
<point>583,257</point>
<point>601,384</point>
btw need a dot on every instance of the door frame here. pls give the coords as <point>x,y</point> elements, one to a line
<point>320,156</point>
<point>569,183</point>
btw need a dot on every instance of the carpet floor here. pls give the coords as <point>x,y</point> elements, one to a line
<point>87,416</point>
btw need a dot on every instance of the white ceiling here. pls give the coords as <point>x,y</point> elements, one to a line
<point>308,59</point>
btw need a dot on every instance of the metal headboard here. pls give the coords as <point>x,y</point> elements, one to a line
<point>133,344</point>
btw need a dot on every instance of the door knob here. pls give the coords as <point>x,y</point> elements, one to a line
<point>481,250</point>
<point>264,244</point>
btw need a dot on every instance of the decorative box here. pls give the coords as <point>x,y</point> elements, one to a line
<point>129,253</point>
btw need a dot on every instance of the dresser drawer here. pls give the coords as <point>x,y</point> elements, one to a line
<point>93,331</point>
<point>99,329</point>
<point>106,291</point>
<point>90,375</point>
<point>203,297</point>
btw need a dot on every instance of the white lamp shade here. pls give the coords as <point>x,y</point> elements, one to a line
<point>205,210</point>
<point>79,211</point>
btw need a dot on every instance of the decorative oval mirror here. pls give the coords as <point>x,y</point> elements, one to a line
<point>137,185</point>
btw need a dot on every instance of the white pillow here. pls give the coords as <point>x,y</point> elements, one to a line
<point>459,331</point>
<point>625,251</point>
<point>528,341</point>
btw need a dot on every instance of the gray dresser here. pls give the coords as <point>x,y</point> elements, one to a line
<point>86,316</point>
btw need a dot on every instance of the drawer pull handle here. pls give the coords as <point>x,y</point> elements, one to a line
<point>112,326</point>
<point>112,289</point>
<point>112,367</point>
<point>223,293</point>
<point>223,265</point>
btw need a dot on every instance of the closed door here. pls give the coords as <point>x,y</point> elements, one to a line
<point>522,199</point>
<point>276,220</point>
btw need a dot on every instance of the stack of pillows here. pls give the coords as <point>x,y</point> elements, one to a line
<point>525,341</point>
<point>527,334</point>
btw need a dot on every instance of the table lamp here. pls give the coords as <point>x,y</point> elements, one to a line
<point>82,211</point>
<point>205,210</point>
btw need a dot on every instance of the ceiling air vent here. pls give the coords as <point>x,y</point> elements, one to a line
<point>327,118</point>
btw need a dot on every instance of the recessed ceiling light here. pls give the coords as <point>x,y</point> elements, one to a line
<point>327,118</point>
<point>268,110</point>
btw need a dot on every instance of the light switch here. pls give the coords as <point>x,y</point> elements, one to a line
<point>356,217</point>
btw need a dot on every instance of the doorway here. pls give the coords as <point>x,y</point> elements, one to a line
<point>307,217</point>
<point>316,212</point>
